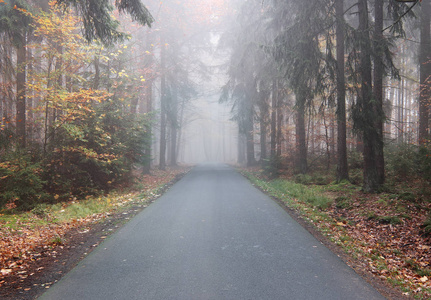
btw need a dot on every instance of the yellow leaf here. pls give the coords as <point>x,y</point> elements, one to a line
<point>143,79</point>
<point>341,224</point>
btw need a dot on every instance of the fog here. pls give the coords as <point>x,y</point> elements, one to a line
<point>193,72</point>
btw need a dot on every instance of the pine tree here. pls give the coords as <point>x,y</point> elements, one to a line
<point>98,22</point>
<point>16,24</point>
<point>342,167</point>
<point>425,74</point>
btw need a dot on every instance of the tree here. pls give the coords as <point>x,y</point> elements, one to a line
<point>425,74</point>
<point>379,50</point>
<point>297,50</point>
<point>342,167</point>
<point>98,22</point>
<point>16,24</point>
<point>365,110</point>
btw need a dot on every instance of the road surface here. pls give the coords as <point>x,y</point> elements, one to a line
<point>212,236</point>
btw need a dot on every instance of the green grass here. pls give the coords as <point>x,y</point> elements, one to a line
<point>44,214</point>
<point>287,190</point>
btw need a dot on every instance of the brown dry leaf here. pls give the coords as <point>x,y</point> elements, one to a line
<point>5,271</point>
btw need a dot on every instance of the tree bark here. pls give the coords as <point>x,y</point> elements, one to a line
<point>174,125</point>
<point>249,135</point>
<point>425,74</point>
<point>367,108</point>
<point>263,124</point>
<point>301,147</point>
<point>342,167</point>
<point>162,158</point>
<point>378,86</point>
<point>21,58</point>
<point>274,119</point>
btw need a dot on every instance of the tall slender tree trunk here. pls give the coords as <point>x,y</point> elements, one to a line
<point>148,108</point>
<point>263,125</point>
<point>342,167</point>
<point>29,104</point>
<point>174,125</point>
<point>249,135</point>
<point>241,147</point>
<point>400,112</point>
<point>279,125</point>
<point>301,147</point>
<point>425,74</point>
<point>367,108</point>
<point>96,81</point>
<point>21,59</point>
<point>162,158</point>
<point>274,119</point>
<point>148,129</point>
<point>378,86</point>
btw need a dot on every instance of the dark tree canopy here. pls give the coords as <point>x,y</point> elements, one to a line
<point>97,21</point>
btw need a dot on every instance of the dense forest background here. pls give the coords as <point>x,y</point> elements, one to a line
<point>322,90</point>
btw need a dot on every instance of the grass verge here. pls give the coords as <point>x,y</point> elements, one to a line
<point>24,235</point>
<point>380,232</point>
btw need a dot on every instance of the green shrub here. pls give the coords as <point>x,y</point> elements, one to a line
<point>355,160</point>
<point>424,162</point>
<point>356,176</point>
<point>303,179</point>
<point>21,183</point>
<point>401,160</point>
<point>427,225</point>
<point>272,166</point>
<point>342,202</point>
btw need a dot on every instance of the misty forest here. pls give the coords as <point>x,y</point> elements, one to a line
<point>324,103</point>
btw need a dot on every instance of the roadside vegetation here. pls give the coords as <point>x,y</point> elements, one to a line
<point>26,234</point>
<point>387,234</point>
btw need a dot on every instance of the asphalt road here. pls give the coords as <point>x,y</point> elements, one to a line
<point>212,236</point>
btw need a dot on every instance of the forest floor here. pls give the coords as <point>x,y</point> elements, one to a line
<point>39,246</point>
<point>381,236</point>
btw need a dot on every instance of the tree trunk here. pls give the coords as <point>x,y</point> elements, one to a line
<point>174,125</point>
<point>148,129</point>
<point>162,158</point>
<point>148,98</point>
<point>301,147</point>
<point>274,119</point>
<point>400,112</point>
<point>279,124</point>
<point>425,74</point>
<point>21,93</point>
<point>241,148</point>
<point>29,104</point>
<point>96,81</point>
<point>249,135</point>
<point>263,125</point>
<point>342,167</point>
<point>367,108</point>
<point>378,86</point>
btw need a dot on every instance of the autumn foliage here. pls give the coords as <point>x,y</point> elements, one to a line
<point>82,136</point>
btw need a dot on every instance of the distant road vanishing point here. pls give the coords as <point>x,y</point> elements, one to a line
<point>212,236</point>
